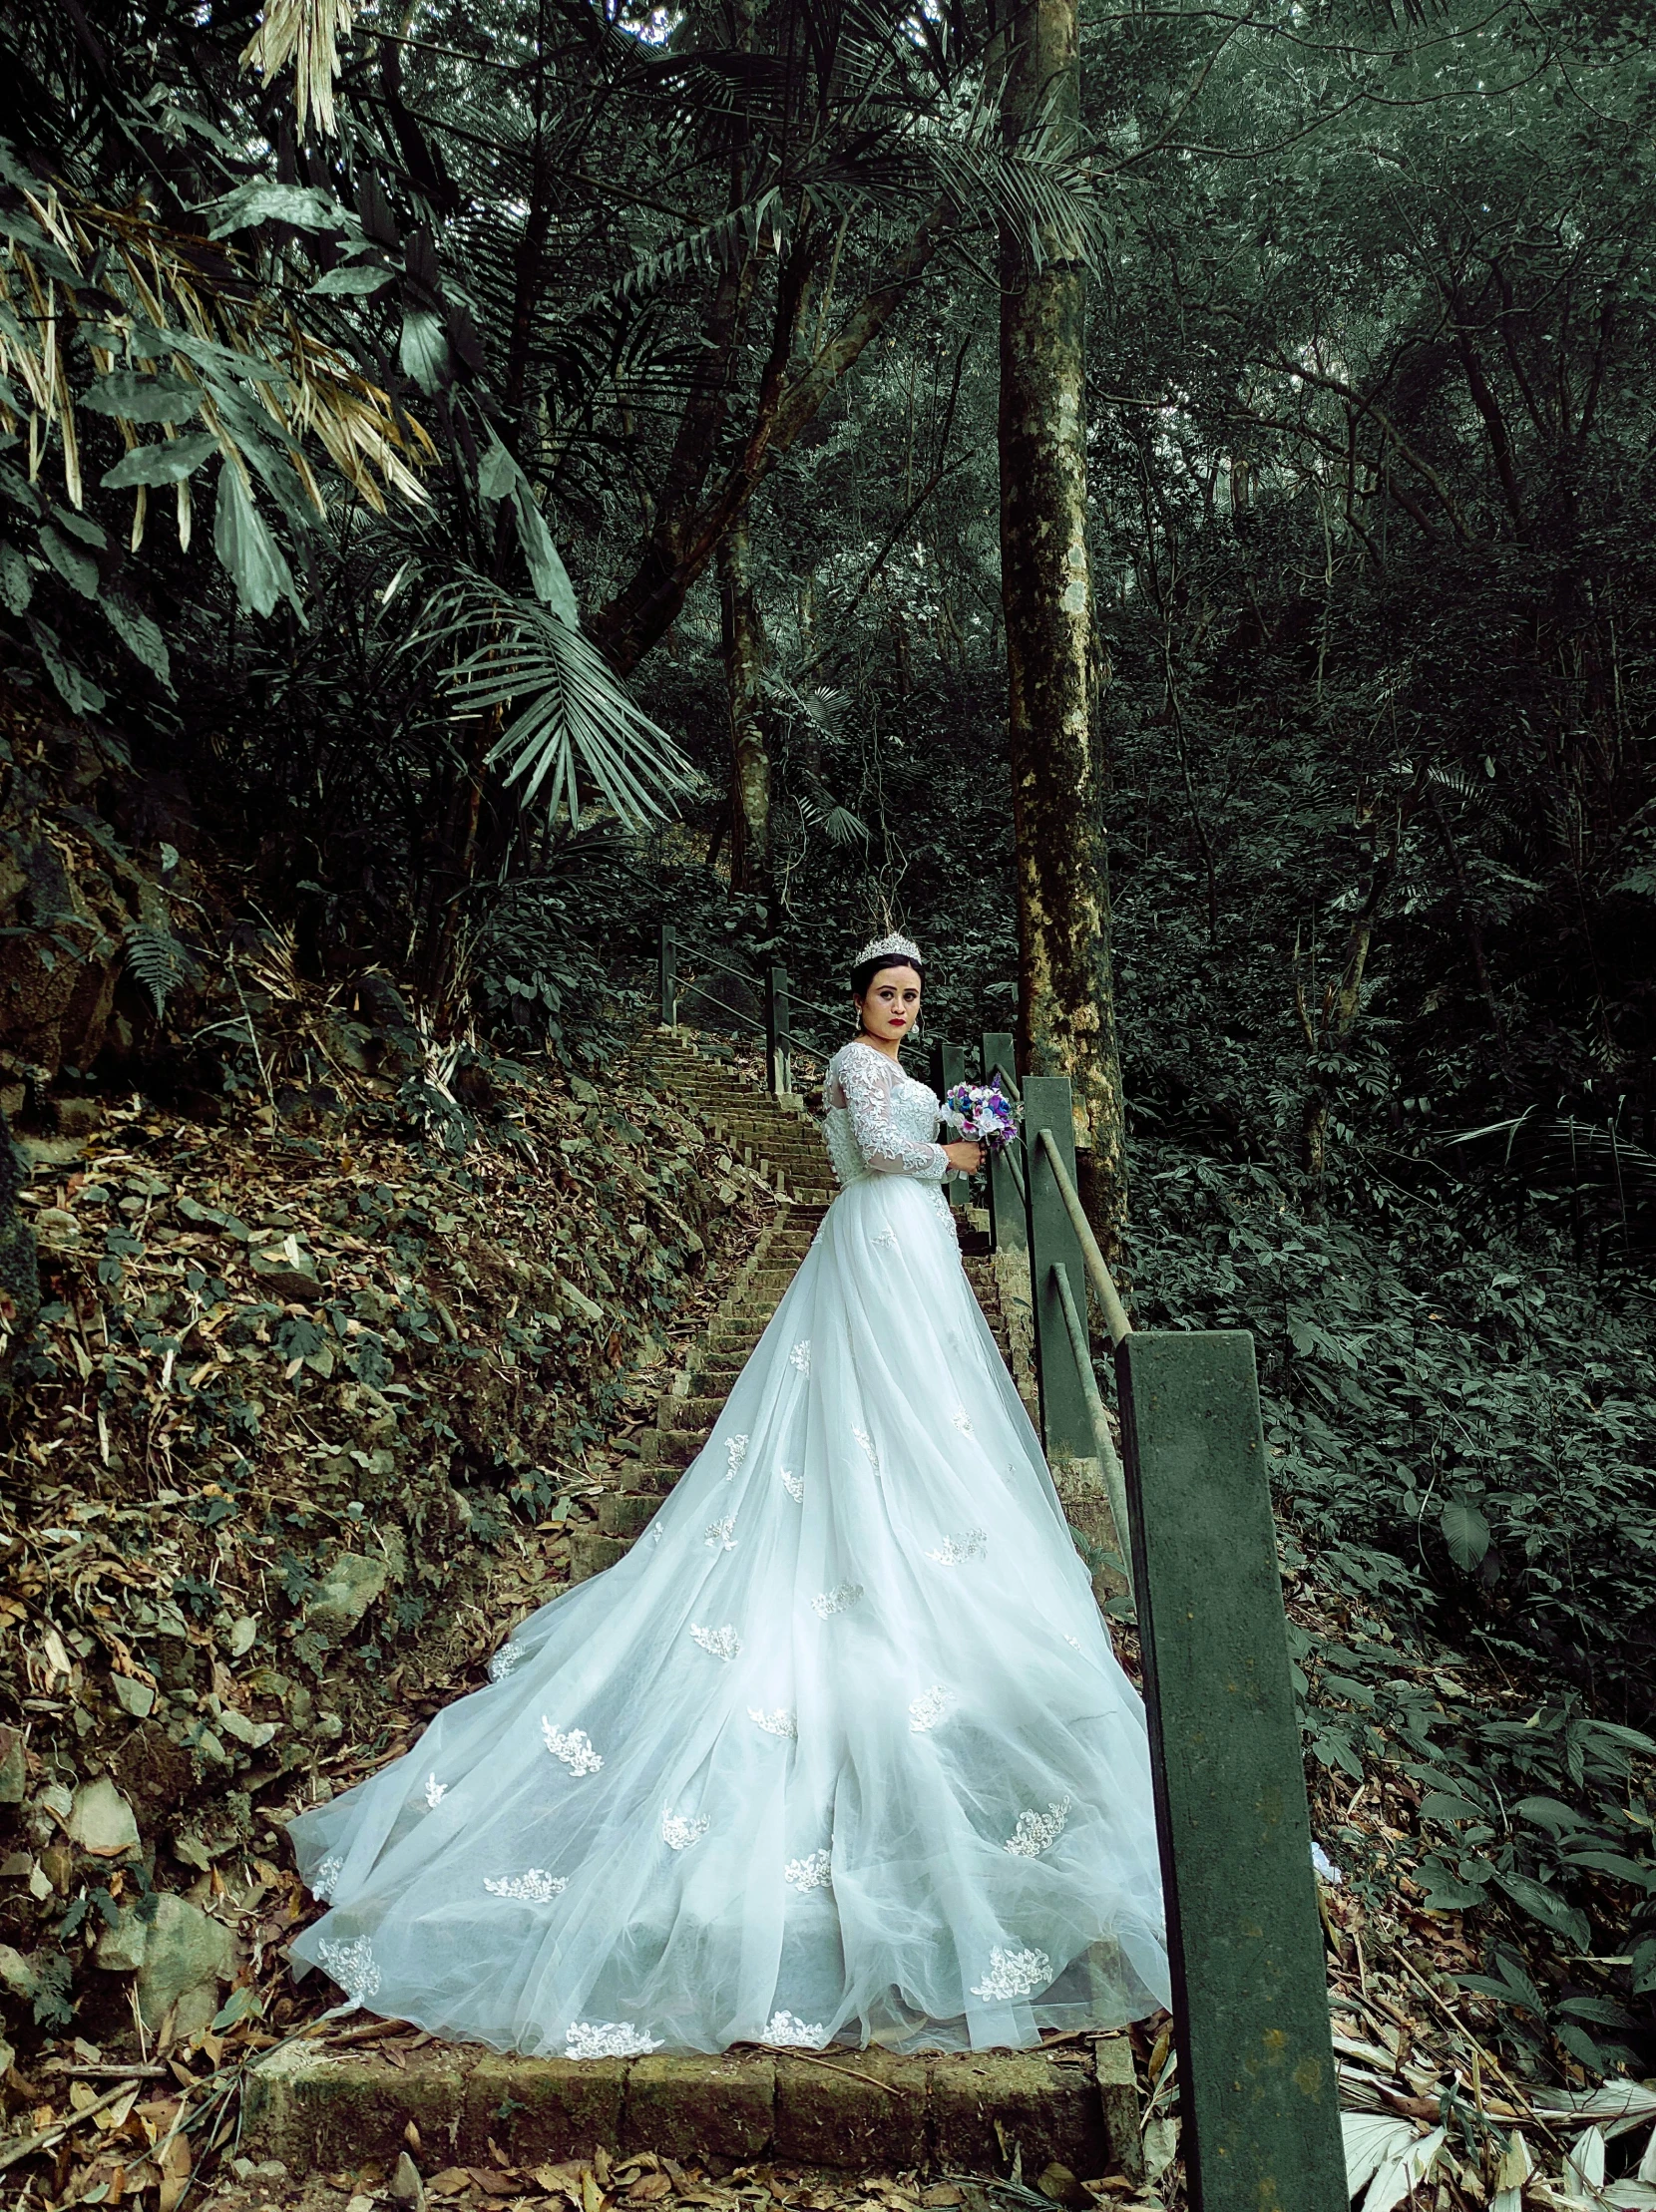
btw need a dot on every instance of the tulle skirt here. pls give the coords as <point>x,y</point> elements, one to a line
<point>839,1752</point>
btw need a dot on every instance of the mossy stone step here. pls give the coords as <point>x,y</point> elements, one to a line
<point>697,1412</point>
<point>626,1513</point>
<point>670,1447</point>
<point>319,2109</point>
<point>590,1552</point>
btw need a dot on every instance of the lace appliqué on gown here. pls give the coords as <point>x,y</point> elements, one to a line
<point>955,1551</point>
<point>813,1872</point>
<point>1037,1832</point>
<point>782,1723</point>
<point>721,1535</point>
<point>326,1880</point>
<point>504,1660</point>
<point>830,1601</point>
<point>926,1712</point>
<point>352,1966</point>
<point>1013,1974</point>
<point>610,2039</point>
<point>678,1833</point>
<point>574,1750</point>
<point>791,2032</point>
<point>800,1356</point>
<point>536,1886</point>
<point>724,1643</point>
<point>735,1451</point>
<point>436,1791</point>
<point>880,1121</point>
<point>793,1484</point>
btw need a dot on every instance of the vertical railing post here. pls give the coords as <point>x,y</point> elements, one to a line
<point>778,1038</point>
<point>666,975</point>
<point>947,1067</point>
<point>1008,1226</point>
<point>1257,2089</point>
<point>1066,1417</point>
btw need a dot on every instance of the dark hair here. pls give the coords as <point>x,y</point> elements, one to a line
<point>865,970</point>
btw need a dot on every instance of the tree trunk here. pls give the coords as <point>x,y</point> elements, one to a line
<point>1066,1016</point>
<point>692,521</point>
<point>749,761</point>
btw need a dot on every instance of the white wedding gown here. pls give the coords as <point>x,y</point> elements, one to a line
<point>839,1752</point>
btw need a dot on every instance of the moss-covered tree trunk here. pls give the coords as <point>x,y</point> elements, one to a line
<point>749,760</point>
<point>1067,1023</point>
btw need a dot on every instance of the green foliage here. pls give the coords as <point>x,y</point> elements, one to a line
<point>158,961</point>
<point>1461,1432</point>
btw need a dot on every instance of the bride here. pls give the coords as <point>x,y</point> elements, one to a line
<point>839,1752</point>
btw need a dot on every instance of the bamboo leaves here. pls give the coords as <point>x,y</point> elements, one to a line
<point>167,463</point>
<point>142,399</point>
<point>242,540</point>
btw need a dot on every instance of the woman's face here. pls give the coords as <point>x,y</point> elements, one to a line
<point>891,1004</point>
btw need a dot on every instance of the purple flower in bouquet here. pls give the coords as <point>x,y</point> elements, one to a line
<point>980,1113</point>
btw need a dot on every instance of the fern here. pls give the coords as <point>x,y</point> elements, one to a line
<point>156,960</point>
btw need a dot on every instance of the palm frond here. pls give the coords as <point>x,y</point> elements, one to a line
<point>1568,1153</point>
<point>574,719</point>
<point>1040,190</point>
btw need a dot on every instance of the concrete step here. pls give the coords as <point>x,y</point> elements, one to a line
<point>670,1447</point>
<point>590,1552</point>
<point>697,1412</point>
<point>720,1368</point>
<point>319,2109</point>
<point>626,1513</point>
<point>735,1336</point>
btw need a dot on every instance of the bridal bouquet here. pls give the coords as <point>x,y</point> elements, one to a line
<point>980,1113</point>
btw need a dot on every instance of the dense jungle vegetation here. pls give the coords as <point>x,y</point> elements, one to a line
<point>541,479</point>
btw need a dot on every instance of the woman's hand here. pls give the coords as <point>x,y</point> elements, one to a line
<point>966,1157</point>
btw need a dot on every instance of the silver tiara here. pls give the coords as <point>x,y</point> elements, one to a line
<point>896,943</point>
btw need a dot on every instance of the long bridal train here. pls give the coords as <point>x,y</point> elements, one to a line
<point>839,1751</point>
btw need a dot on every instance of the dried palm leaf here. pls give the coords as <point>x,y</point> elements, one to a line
<point>306,33</point>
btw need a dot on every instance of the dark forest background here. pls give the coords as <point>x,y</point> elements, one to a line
<point>587,436</point>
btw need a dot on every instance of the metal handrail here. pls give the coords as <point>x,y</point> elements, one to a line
<point>1097,1273</point>
<point>696,956</point>
<point>695,952</point>
<point>1011,1158</point>
<point>1115,1482</point>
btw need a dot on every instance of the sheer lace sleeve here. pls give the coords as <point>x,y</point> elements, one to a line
<point>862,1080</point>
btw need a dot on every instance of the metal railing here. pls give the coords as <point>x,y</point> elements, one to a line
<point>768,987</point>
